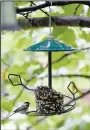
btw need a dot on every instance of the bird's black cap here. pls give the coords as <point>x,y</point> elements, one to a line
<point>26,103</point>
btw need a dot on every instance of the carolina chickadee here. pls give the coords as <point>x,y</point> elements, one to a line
<point>22,109</point>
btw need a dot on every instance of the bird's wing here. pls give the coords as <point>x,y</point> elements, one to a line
<point>23,107</point>
<point>17,110</point>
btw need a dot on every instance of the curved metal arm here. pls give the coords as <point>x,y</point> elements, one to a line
<point>20,83</point>
<point>74,87</point>
<point>29,113</point>
<point>18,76</point>
<point>69,109</point>
<point>73,94</point>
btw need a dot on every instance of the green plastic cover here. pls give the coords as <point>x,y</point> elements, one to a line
<point>50,45</point>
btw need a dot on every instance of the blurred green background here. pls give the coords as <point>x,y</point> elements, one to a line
<point>29,64</point>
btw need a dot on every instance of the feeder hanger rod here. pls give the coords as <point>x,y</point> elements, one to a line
<point>49,69</point>
<point>50,54</point>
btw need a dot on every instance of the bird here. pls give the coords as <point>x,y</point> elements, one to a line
<point>22,109</point>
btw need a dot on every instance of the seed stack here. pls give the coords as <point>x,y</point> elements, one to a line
<point>48,101</point>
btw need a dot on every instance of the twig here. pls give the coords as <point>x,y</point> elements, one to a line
<point>79,97</point>
<point>76,9</point>
<point>41,9</point>
<point>20,93</point>
<point>65,55</point>
<point>71,75</point>
<point>5,63</point>
<point>27,13</point>
<point>45,13</point>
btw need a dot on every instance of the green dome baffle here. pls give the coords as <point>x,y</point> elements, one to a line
<point>50,45</point>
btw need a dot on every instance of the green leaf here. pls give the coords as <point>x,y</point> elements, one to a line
<point>79,10</point>
<point>27,96</point>
<point>57,31</point>
<point>76,127</point>
<point>72,64</point>
<point>15,69</point>
<point>68,37</point>
<point>85,69</point>
<point>85,36</point>
<point>6,104</point>
<point>33,81</point>
<point>62,63</point>
<point>23,43</point>
<point>31,119</point>
<point>21,3</point>
<point>78,56</point>
<point>65,35</point>
<point>88,13</point>
<point>87,126</point>
<point>70,9</point>
<point>60,124</point>
<point>14,90</point>
<point>38,71</point>
<point>5,122</point>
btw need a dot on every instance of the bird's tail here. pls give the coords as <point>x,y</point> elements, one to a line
<point>11,114</point>
<point>6,118</point>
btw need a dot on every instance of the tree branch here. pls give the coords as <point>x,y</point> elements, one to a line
<point>46,4</point>
<point>62,75</point>
<point>79,97</point>
<point>66,75</point>
<point>57,21</point>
